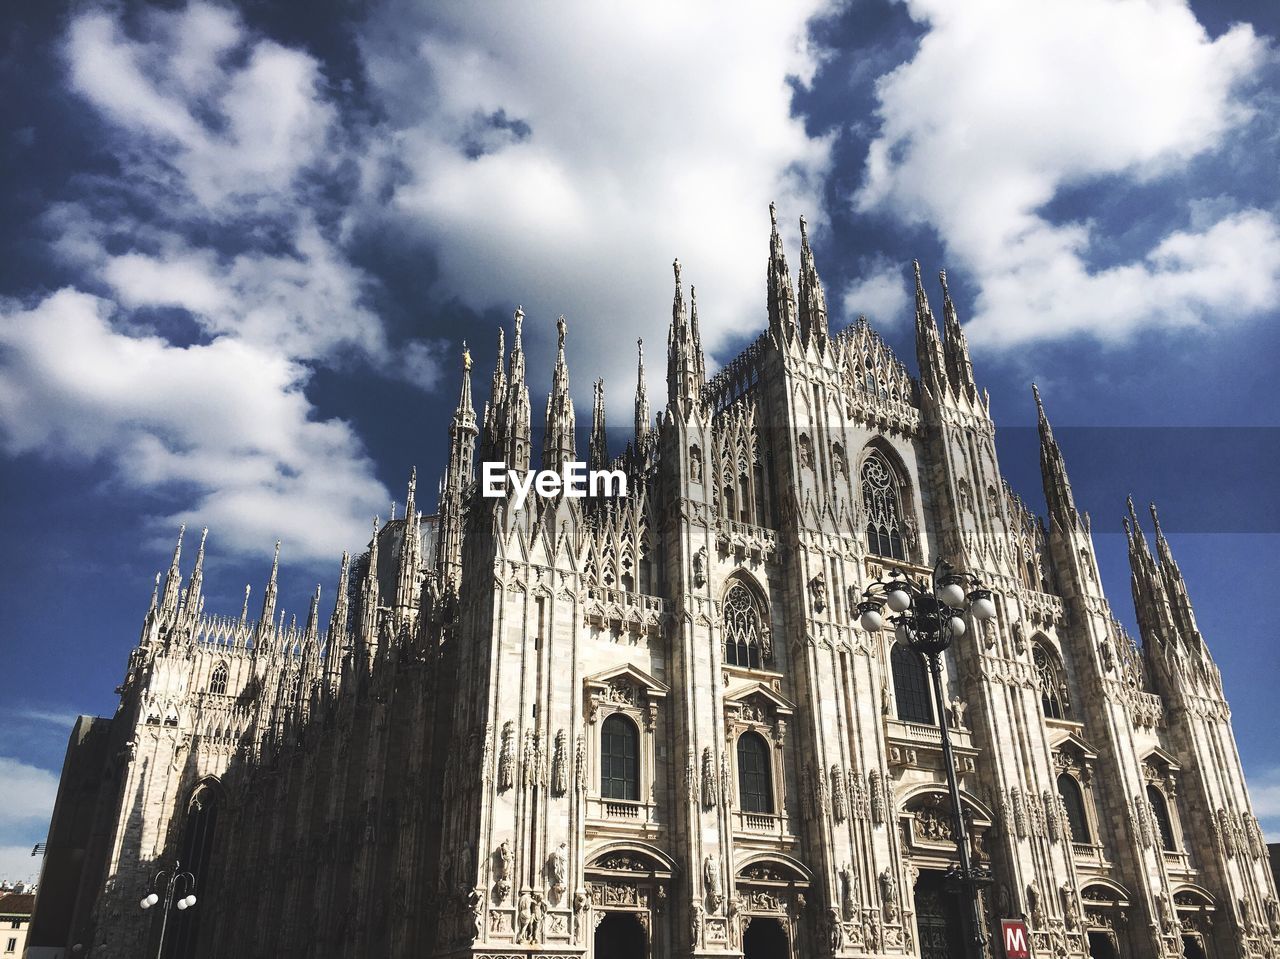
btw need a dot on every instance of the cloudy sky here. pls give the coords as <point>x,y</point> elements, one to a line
<point>241,248</point>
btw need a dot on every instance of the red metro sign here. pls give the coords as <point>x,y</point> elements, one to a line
<point>1014,934</point>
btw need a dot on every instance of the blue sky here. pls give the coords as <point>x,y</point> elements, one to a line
<point>240,249</point>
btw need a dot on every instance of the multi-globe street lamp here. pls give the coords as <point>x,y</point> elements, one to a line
<point>928,617</point>
<point>172,879</point>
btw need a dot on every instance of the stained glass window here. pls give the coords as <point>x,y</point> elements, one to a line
<point>880,499</point>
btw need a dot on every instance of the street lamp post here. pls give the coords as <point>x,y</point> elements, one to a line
<point>928,618</point>
<point>172,878</point>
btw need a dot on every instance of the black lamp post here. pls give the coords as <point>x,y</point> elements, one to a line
<point>168,881</point>
<point>927,619</point>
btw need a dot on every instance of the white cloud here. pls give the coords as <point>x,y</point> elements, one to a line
<point>29,792</point>
<point>653,131</point>
<point>1264,791</point>
<point>880,293</point>
<point>226,420</point>
<point>1005,104</point>
<point>235,128</point>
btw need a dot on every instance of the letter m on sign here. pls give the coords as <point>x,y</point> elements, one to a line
<point>1014,934</point>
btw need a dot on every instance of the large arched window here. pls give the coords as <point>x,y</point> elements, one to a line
<point>218,681</point>
<point>1053,682</point>
<point>911,686</point>
<point>745,643</point>
<point>1073,801</point>
<point>1160,809</point>
<point>883,504</point>
<point>755,785</point>
<point>619,762</point>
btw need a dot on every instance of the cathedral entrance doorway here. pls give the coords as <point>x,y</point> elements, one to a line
<point>620,935</point>
<point>1101,946</point>
<point>765,939</point>
<point>938,922</point>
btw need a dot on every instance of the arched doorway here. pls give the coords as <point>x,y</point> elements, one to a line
<point>765,939</point>
<point>938,922</point>
<point>620,936</point>
<point>1101,946</point>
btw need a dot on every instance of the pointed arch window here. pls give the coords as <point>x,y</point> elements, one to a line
<point>1073,802</point>
<point>911,686</point>
<point>619,759</point>
<point>1053,682</point>
<point>745,640</point>
<point>882,500</point>
<point>218,681</point>
<point>755,784</point>
<point>1160,810</point>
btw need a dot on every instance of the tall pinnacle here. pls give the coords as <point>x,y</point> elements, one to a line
<point>643,414</point>
<point>929,353</point>
<point>598,451</point>
<point>1053,472</point>
<point>173,581</point>
<point>782,298</point>
<point>269,595</point>
<point>517,410</point>
<point>559,444</point>
<point>312,631</point>
<point>813,302</point>
<point>684,357</point>
<point>956,347</point>
<point>192,602</point>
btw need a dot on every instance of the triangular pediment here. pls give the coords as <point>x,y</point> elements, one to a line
<point>1164,757</point>
<point>1072,742</point>
<point>626,672</point>
<point>746,691</point>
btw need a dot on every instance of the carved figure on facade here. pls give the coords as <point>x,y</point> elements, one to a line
<point>818,592</point>
<point>711,881</point>
<point>848,892</point>
<point>558,868</point>
<point>700,567</point>
<point>889,895</point>
<point>506,756</point>
<point>835,930</point>
<point>839,807</point>
<point>708,779</point>
<point>560,765</point>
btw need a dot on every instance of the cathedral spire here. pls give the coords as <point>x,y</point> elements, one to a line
<point>173,581</point>
<point>782,298</point>
<point>244,610</point>
<point>267,619</point>
<point>929,355</point>
<point>411,544</point>
<point>559,445</point>
<point>312,631</point>
<point>1175,585</point>
<point>956,347</point>
<point>598,453</point>
<point>194,585</point>
<point>813,302</point>
<point>699,357</point>
<point>517,415</point>
<point>491,443</point>
<point>684,358</point>
<point>643,414</point>
<point>338,622</point>
<point>1053,473</point>
<point>459,474</point>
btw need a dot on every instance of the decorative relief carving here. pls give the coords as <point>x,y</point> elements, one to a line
<point>708,779</point>
<point>506,757</point>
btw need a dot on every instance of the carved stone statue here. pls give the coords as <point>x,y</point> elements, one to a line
<point>507,756</point>
<point>711,881</point>
<point>835,929</point>
<point>475,905</point>
<point>958,708</point>
<point>526,925</point>
<point>889,895</point>
<point>848,902</point>
<point>558,867</point>
<point>700,567</point>
<point>818,592</point>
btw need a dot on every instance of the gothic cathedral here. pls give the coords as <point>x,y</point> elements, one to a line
<point>651,726</point>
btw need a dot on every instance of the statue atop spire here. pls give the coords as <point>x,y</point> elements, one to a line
<point>517,409</point>
<point>684,356</point>
<point>782,298</point>
<point>956,347</point>
<point>559,444</point>
<point>643,415</point>
<point>813,302</point>
<point>929,353</point>
<point>598,452</point>
<point>1053,473</point>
